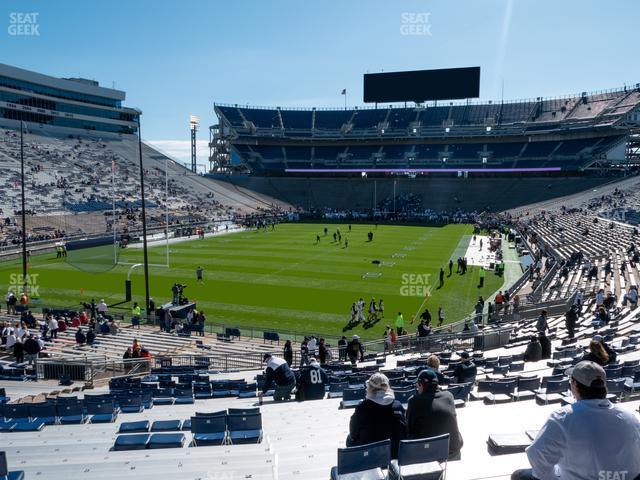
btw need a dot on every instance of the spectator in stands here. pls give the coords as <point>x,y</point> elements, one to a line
<point>18,350</point>
<point>432,412</point>
<point>588,438</point>
<point>600,298</point>
<point>433,362</point>
<point>578,300</point>
<point>278,372</point>
<point>379,417</point>
<point>113,327</point>
<point>342,349</point>
<point>424,330</point>
<point>545,343</point>
<point>597,353</point>
<point>631,296</point>
<point>53,326</point>
<point>287,352</point>
<point>104,327</point>
<point>32,349</point>
<point>541,323</point>
<point>102,308</point>
<point>312,382</point>
<point>533,353</point>
<point>91,337</point>
<point>602,317</point>
<point>466,371</point>
<point>323,352</point>
<point>81,339</point>
<point>571,318</point>
<point>304,352</point>
<point>354,349</point>
<point>312,345</point>
<point>11,302</point>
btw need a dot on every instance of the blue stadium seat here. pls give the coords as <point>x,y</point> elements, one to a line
<point>167,440</point>
<point>208,430</point>
<point>134,427</point>
<point>421,459</point>
<point>526,389</point>
<point>351,397</point>
<point>554,392</point>
<point>501,392</point>
<point>166,426</point>
<point>363,461</point>
<point>34,426</point>
<point>131,405</point>
<point>243,411</point>
<point>244,428</point>
<point>18,412</point>
<point>7,425</point>
<point>137,441</point>
<point>102,412</point>
<point>70,413</point>
<point>44,412</point>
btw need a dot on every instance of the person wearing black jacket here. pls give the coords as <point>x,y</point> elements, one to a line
<point>466,371</point>
<point>322,351</point>
<point>18,351</point>
<point>32,349</point>
<point>432,412</point>
<point>354,348</point>
<point>571,318</point>
<point>342,349</point>
<point>545,343</point>
<point>80,337</point>
<point>278,372</point>
<point>287,353</point>
<point>533,353</point>
<point>379,417</point>
<point>312,381</point>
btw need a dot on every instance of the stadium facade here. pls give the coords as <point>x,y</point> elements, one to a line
<point>565,134</point>
<point>64,103</point>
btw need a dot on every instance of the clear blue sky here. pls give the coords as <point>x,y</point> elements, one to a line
<point>175,58</point>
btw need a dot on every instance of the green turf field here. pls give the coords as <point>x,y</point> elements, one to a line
<point>281,279</point>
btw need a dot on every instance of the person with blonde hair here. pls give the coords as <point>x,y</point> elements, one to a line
<point>597,353</point>
<point>379,417</point>
<point>433,363</point>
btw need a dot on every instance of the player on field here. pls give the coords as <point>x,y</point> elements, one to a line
<point>200,274</point>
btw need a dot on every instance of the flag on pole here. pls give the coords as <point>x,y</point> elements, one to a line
<point>344,91</point>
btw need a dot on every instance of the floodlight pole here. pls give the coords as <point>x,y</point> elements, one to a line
<point>24,215</point>
<point>166,204</point>
<point>144,221</point>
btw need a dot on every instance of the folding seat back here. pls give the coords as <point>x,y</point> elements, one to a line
<point>557,386</point>
<point>95,408</point>
<point>550,378</point>
<point>17,411</point>
<point>221,413</point>
<point>69,409</point>
<point>504,387</point>
<point>424,450</point>
<point>614,372</point>
<point>506,360</point>
<point>244,411</point>
<point>351,394</point>
<point>362,458</point>
<point>209,424</point>
<point>485,385</point>
<point>244,422</point>
<point>615,386</point>
<point>42,410</point>
<point>403,396</point>
<point>460,391</point>
<point>338,387</point>
<point>528,384</point>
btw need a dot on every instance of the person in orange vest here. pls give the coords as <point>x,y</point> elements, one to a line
<point>24,300</point>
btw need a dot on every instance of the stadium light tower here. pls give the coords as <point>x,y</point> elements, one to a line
<point>194,123</point>
<point>145,253</point>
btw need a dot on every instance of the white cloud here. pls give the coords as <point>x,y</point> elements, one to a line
<point>180,150</point>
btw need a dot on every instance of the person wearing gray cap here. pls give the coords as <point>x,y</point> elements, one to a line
<point>590,439</point>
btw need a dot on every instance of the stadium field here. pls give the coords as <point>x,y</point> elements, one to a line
<point>281,279</point>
